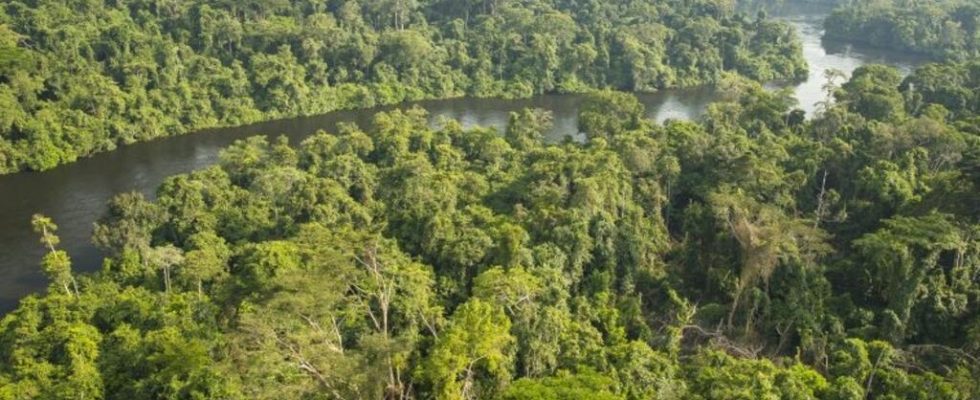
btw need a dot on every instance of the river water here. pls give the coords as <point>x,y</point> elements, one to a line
<point>75,195</point>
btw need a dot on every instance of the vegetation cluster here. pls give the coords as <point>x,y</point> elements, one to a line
<point>948,29</point>
<point>753,254</point>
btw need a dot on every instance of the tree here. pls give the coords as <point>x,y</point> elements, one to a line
<point>165,258</point>
<point>906,257</point>
<point>206,261</point>
<point>873,92</point>
<point>609,113</point>
<point>472,357</point>
<point>766,238</point>
<point>56,263</point>
<point>348,319</point>
<point>260,264</point>
<point>718,375</point>
<point>527,128</point>
<point>128,224</point>
<point>565,386</point>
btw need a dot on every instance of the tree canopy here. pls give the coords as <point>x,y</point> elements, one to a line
<point>747,255</point>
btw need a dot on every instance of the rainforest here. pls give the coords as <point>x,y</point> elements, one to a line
<point>84,76</point>
<point>777,245</point>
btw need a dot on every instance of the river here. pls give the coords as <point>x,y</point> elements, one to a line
<point>75,195</point>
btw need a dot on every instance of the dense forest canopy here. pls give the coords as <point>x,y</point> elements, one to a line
<point>947,29</point>
<point>83,76</point>
<point>753,254</point>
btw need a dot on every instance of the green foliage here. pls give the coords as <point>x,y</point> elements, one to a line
<point>906,256</point>
<point>476,343</point>
<point>749,255</point>
<point>873,92</point>
<point>581,386</point>
<point>719,376</point>
<point>56,264</point>
<point>945,29</point>
<point>82,77</point>
<point>609,113</point>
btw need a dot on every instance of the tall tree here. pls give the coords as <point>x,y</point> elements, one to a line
<point>56,263</point>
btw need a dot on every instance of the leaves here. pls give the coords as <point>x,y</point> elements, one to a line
<point>476,342</point>
<point>750,255</point>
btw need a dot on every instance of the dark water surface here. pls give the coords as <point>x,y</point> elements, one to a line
<point>75,195</point>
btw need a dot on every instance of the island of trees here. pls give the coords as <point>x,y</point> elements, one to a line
<point>753,254</point>
<point>79,77</point>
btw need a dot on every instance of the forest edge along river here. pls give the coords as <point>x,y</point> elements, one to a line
<point>75,195</point>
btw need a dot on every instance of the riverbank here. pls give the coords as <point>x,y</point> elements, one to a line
<point>75,195</point>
